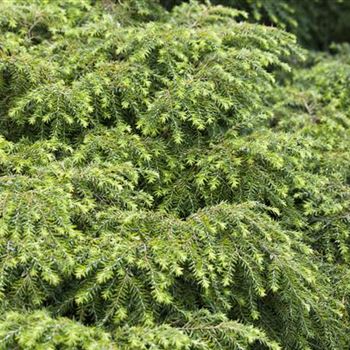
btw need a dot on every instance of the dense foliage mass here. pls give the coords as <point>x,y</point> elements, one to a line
<point>174,175</point>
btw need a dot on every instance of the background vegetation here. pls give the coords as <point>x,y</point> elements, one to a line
<point>174,175</point>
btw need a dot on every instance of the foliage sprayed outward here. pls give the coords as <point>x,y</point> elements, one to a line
<point>162,188</point>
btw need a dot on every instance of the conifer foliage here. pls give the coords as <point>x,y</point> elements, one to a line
<point>173,175</point>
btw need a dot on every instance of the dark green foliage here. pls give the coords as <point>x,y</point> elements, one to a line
<point>317,23</point>
<point>172,180</point>
<point>317,106</point>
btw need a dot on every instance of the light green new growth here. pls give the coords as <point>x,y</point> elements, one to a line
<point>171,180</point>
